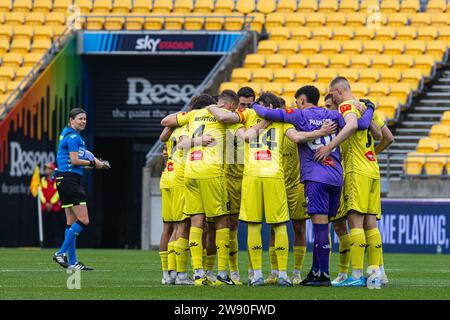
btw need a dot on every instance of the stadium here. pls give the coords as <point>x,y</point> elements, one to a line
<point>133,65</point>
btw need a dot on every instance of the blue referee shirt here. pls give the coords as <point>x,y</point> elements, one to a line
<point>70,141</point>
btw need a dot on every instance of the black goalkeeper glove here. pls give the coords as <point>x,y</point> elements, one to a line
<point>368,103</point>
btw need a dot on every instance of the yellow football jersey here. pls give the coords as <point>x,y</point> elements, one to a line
<point>291,164</point>
<point>234,164</point>
<point>264,154</point>
<point>378,120</point>
<point>358,150</point>
<point>204,162</point>
<point>173,173</point>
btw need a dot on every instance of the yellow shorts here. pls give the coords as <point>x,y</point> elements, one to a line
<point>342,211</point>
<point>266,195</point>
<point>206,196</point>
<point>173,204</point>
<point>234,188</point>
<point>362,194</point>
<point>297,202</point>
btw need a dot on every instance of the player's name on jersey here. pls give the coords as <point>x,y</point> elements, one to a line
<point>205,119</point>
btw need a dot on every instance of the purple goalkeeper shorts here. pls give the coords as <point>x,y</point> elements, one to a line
<point>322,198</point>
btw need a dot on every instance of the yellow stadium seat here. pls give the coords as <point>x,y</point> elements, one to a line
<point>22,5</point>
<point>337,19</point>
<point>267,47</point>
<point>307,6</point>
<point>352,75</point>
<point>390,6</point>
<point>394,47</point>
<point>20,46</point>
<point>364,34</point>
<point>6,32</point>
<point>388,106</point>
<point>61,5</point>
<point>402,61</point>
<point>421,19</point>
<point>401,91</point>
<point>390,75</point>
<point>55,19</point>
<point>183,6</point>
<point>326,75</point>
<point>295,20</point>
<point>437,6</point>
<point>280,34</point>
<point>367,4</point>
<point>291,88</point>
<point>348,6</point>
<point>162,6</point>
<point>214,21</point>
<point>266,6</point>
<point>305,76</point>
<point>352,47</point>
<point>410,6</point>
<point>297,61</point>
<point>427,33</point>
<point>85,6</point>
<point>15,18</point>
<point>114,23</point>
<point>446,118</point>
<point>241,75</point>
<point>329,6</point>
<point>30,59</point>
<point>373,47</point>
<point>290,100</point>
<point>318,61</point>
<point>316,19</point>
<point>254,61</point>
<point>5,6</point>
<point>274,87</point>
<point>301,34</point>
<point>440,19</point>
<point>4,47</point>
<point>7,74</point>
<point>173,23</point>
<point>274,21</point>
<point>359,89</point>
<point>44,6</point>
<point>142,6</point>
<point>322,87</point>
<point>331,47</point>
<point>356,19</point>
<point>397,19</point>
<point>343,33</point>
<point>194,21</point>
<point>380,89</point>
<point>439,131</point>
<point>385,33</point>
<point>288,47</point>
<point>361,61</point>
<point>229,86</point>
<point>245,6</point>
<point>427,145</point>
<point>413,77</point>
<point>437,49</point>
<point>22,72</point>
<point>424,63</point>
<point>275,61</point>
<point>224,6</point>
<point>12,60</point>
<point>368,75</point>
<point>258,21</point>
<point>310,47</point>
<point>234,21</point>
<point>444,34</point>
<point>262,75</point>
<point>415,47</point>
<point>381,62</point>
<point>3,88</point>
<point>444,146</point>
<point>254,85</point>
<point>35,19</point>
<point>122,6</point>
<point>93,22</point>
<point>41,45</point>
<point>15,85</point>
<point>414,163</point>
<point>322,33</point>
<point>287,6</point>
<point>134,21</point>
<point>435,164</point>
<point>406,33</point>
<point>283,75</point>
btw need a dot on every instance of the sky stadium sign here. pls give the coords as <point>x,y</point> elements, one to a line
<point>158,42</point>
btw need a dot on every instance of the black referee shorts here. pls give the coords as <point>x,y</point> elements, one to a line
<point>70,189</point>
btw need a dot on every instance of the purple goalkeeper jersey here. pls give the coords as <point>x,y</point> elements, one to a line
<point>330,170</point>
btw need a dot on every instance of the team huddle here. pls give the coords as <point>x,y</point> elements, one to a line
<point>238,158</point>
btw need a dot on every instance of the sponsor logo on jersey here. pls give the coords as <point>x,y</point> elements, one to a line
<point>370,156</point>
<point>263,155</point>
<point>196,155</point>
<point>289,110</point>
<point>170,166</point>
<point>329,162</point>
<point>345,107</point>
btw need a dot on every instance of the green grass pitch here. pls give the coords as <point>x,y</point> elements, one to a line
<point>135,274</point>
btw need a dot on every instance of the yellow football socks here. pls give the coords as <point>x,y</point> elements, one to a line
<point>299,257</point>
<point>373,238</point>
<point>234,251</point>
<point>164,262</point>
<point>273,258</point>
<point>281,246</point>
<point>357,248</point>
<point>254,243</point>
<point>223,248</point>
<point>344,253</point>
<point>196,247</point>
<point>181,252</point>
<point>171,256</point>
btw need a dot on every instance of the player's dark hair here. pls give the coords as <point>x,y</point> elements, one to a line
<point>282,102</point>
<point>216,97</point>
<point>268,98</point>
<point>311,93</point>
<point>230,96</point>
<point>246,92</point>
<point>201,101</point>
<point>328,96</point>
<point>74,112</point>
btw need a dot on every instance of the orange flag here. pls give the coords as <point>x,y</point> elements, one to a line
<point>35,182</point>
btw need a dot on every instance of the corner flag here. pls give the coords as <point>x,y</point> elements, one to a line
<point>35,182</point>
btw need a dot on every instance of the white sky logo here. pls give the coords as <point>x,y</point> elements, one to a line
<point>147,43</point>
